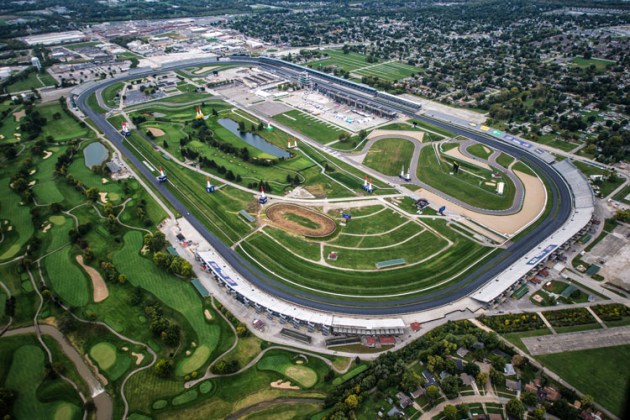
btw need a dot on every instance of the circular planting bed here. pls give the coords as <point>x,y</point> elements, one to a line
<point>300,220</point>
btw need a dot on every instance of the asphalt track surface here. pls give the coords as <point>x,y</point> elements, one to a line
<point>559,198</point>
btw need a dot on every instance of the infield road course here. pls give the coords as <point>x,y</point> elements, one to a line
<point>559,198</point>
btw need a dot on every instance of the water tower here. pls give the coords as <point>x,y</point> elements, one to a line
<point>35,61</point>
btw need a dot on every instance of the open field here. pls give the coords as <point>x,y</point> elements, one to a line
<point>310,126</point>
<point>388,156</point>
<point>599,64</point>
<point>595,372</point>
<point>33,81</point>
<point>436,171</point>
<point>553,141</point>
<point>357,63</point>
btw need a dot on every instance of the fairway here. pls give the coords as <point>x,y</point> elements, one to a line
<point>179,296</point>
<point>282,364</point>
<point>20,220</point>
<point>310,126</point>
<point>67,279</point>
<point>389,156</point>
<point>64,128</point>
<point>104,354</point>
<point>595,372</point>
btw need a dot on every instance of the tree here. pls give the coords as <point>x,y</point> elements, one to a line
<point>472,369</point>
<point>352,402</point>
<point>432,393</point>
<point>7,398</point>
<point>92,194</point>
<point>515,408</point>
<point>163,368</point>
<point>410,381</point>
<point>450,386</point>
<point>482,379</point>
<point>538,413</point>
<point>587,400</point>
<point>450,412</point>
<point>529,399</point>
<point>155,242</point>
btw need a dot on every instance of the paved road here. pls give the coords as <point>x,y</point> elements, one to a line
<point>102,401</point>
<point>560,200</point>
<point>582,340</point>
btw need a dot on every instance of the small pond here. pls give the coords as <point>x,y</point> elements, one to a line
<point>95,154</point>
<point>254,139</point>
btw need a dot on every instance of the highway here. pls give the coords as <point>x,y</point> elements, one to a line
<point>560,200</point>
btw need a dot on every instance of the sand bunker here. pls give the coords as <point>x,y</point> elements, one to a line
<point>102,379</point>
<point>33,182</point>
<point>533,204</point>
<point>139,357</point>
<point>156,132</point>
<point>47,154</point>
<point>98,284</point>
<point>104,180</point>
<point>19,115</point>
<point>299,362</point>
<point>103,197</point>
<point>32,171</point>
<point>283,385</point>
<point>207,314</point>
<point>458,155</point>
<point>46,228</point>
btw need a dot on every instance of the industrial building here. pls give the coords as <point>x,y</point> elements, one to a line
<point>55,38</point>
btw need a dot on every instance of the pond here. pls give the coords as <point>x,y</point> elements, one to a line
<point>254,139</point>
<point>95,154</point>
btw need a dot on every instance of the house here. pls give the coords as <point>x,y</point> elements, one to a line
<point>462,352</point>
<point>444,374</point>
<point>530,387</point>
<point>417,393</point>
<point>428,376</point>
<point>478,345</point>
<point>494,416</point>
<point>513,385</point>
<point>415,326</point>
<point>395,412</point>
<point>459,363</point>
<point>551,394</point>
<point>508,369</point>
<point>502,354</point>
<point>403,400</point>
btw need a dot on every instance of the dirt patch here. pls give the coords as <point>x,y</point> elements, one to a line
<point>139,357</point>
<point>280,384</point>
<point>19,115</point>
<point>98,284</point>
<point>533,204</point>
<point>103,197</point>
<point>47,154</point>
<point>156,132</point>
<point>317,190</point>
<point>404,134</point>
<point>280,216</point>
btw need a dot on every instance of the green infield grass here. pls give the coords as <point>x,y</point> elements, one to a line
<point>595,372</point>
<point>111,94</point>
<point>479,150</point>
<point>310,126</point>
<point>466,185</point>
<point>389,156</point>
<point>505,160</point>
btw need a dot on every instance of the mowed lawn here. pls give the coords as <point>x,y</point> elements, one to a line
<point>65,128</point>
<point>309,126</point>
<point>388,156</point>
<point>173,292</point>
<point>602,373</point>
<point>20,220</point>
<point>32,81</point>
<point>67,279</point>
<point>357,63</point>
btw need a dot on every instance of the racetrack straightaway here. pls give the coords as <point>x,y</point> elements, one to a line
<point>560,201</point>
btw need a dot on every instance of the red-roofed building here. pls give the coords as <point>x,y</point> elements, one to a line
<point>370,341</point>
<point>387,340</point>
<point>415,326</point>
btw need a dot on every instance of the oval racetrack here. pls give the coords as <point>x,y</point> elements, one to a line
<point>560,200</point>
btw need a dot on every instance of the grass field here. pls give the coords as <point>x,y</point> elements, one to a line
<point>595,372</point>
<point>388,156</point>
<point>285,411</point>
<point>606,187</point>
<point>553,141</point>
<point>463,186</point>
<point>357,63</point>
<point>326,279</point>
<point>505,160</point>
<point>34,80</point>
<point>173,293</point>
<point>480,151</point>
<point>67,279</point>
<point>110,94</point>
<point>310,126</point>
<point>63,129</point>
<point>600,64</point>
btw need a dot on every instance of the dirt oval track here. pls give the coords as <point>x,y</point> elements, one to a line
<point>277,215</point>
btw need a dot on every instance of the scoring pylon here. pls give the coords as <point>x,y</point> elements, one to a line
<point>263,198</point>
<point>209,186</point>
<point>199,115</point>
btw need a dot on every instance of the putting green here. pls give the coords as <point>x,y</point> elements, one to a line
<point>303,375</point>
<point>194,361</point>
<point>58,220</point>
<point>159,404</point>
<point>104,354</point>
<point>66,411</point>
